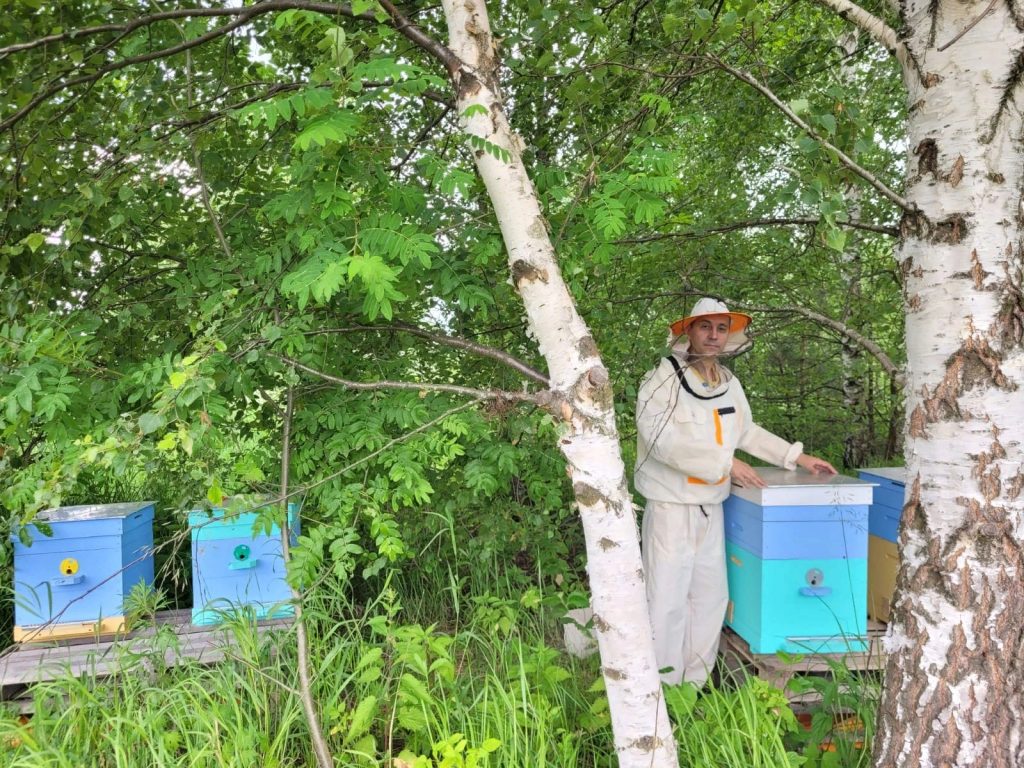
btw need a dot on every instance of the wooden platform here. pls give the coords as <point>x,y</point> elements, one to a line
<point>28,663</point>
<point>778,671</point>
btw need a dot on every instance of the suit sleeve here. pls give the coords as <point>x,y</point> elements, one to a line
<point>670,430</point>
<point>759,442</point>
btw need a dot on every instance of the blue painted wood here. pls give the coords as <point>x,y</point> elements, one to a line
<point>111,548</point>
<point>886,508</point>
<point>797,532</point>
<point>236,569</point>
<point>889,496</point>
<point>884,522</point>
<point>814,605</point>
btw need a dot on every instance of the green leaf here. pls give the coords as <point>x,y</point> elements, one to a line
<point>835,238</point>
<point>34,241</point>
<point>799,106</point>
<point>178,379</point>
<point>362,718</point>
<point>474,109</point>
<point>151,422</point>
<point>339,126</point>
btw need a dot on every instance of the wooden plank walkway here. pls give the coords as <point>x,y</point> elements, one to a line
<point>28,663</point>
<point>777,671</point>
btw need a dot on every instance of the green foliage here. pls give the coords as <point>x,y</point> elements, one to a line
<point>745,726</point>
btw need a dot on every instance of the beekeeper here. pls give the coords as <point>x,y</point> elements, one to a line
<point>691,417</point>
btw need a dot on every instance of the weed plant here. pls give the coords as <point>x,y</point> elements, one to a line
<point>416,678</point>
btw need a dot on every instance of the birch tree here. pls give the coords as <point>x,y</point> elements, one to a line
<point>953,679</point>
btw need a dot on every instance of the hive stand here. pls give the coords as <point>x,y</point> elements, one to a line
<point>23,665</point>
<point>739,660</point>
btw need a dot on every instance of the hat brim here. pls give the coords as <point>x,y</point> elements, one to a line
<point>738,322</point>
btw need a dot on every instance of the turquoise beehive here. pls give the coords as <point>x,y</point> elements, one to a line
<point>796,559</point>
<point>237,567</point>
<point>73,582</point>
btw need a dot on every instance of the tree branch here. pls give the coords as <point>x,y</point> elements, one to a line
<point>411,32</point>
<point>842,329</point>
<point>243,14</point>
<point>451,341</point>
<point>849,162</point>
<point>329,9</point>
<point>541,399</point>
<point>875,27</point>
<point>755,223</point>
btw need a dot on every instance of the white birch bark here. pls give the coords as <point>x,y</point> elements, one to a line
<point>643,736</point>
<point>955,679</point>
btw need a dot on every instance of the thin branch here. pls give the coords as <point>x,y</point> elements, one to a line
<point>755,223</point>
<point>128,27</point>
<point>243,14</point>
<point>451,341</point>
<point>970,26</point>
<point>542,399</point>
<point>421,137</point>
<point>849,162</point>
<point>842,329</point>
<point>316,733</point>
<point>205,194</point>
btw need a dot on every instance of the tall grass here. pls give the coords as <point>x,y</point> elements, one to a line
<point>415,677</point>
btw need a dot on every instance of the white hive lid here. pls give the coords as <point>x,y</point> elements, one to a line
<point>93,511</point>
<point>805,489</point>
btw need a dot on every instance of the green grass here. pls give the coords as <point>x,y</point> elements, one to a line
<point>478,681</point>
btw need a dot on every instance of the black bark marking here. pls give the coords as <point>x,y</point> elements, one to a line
<point>927,152</point>
<point>1010,321</point>
<point>600,624</point>
<point>587,347</point>
<point>605,543</point>
<point>647,743</point>
<point>523,270</point>
<point>613,674</point>
<point>587,495</point>
<point>951,230</point>
<point>1013,79</point>
<point>956,173</point>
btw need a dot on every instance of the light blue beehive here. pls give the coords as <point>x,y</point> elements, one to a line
<point>796,558</point>
<point>235,567</point>
<point>73,582</point>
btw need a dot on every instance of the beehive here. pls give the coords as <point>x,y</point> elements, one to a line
<point>883,555</point>
<point>73,582</point>
<point>235,567</point>
<point>796,558</point>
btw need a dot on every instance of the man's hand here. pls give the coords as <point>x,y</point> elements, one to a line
<point>743,474</point>
<point>815,465</point>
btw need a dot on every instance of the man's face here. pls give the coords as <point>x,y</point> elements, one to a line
<point>708,335</point>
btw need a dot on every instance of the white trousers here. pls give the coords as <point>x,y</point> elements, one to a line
<point>687,591</point>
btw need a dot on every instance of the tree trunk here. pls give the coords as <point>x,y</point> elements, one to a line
<point>590,442</point>
<point>955,674</point>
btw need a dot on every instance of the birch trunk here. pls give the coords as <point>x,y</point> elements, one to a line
<point>954,690</point>
<point>590,443</point>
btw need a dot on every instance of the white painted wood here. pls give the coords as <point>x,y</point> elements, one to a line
<point>803,489</point>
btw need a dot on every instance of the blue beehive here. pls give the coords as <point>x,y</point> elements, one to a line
<point>883,527</point>
<point>73,582</point>
<point>797,562</point>
<point>887,506</point>
<point>233,566</point>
